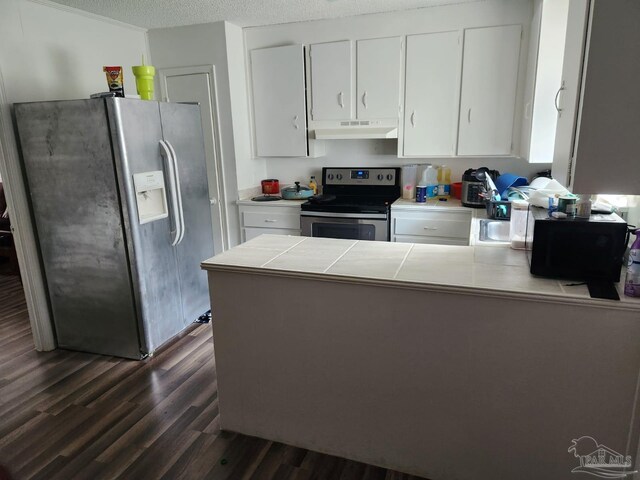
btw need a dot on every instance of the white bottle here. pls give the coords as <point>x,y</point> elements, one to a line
<point>583,207</point>
<point>430,179</point>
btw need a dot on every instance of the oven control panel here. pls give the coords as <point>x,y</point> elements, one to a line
<point>361,176</point>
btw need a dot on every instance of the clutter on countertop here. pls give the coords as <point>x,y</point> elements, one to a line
<point>296,192</point>
<point>270,190</point>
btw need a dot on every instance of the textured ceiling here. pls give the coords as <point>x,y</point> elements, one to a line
<point>173,13</point>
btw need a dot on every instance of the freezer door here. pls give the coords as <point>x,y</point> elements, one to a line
<point>136,129</point>
<point>69,167</point>
<point>182,130</point>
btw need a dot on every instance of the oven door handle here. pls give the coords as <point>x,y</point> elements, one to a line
<point>366,216</point>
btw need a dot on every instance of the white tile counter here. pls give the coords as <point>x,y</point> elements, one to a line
<point>497,271</point>
<point>440,361</point>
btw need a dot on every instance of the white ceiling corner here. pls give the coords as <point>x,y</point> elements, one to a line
<point>173,13</point>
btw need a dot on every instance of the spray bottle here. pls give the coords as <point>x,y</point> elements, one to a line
<point>632,282</point>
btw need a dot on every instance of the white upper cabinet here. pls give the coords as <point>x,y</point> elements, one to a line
<point>432,87</point>
<point>331,85</point>
<point>358,80</point>
<point>548,80</point>
<point>378,78</point>
<point>606,153</point>
<point>488,94</point>
<point>279,109</point>
<point>567,94</point>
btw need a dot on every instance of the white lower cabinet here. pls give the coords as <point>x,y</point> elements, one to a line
<point>256,220</point>
<point>413,225</point>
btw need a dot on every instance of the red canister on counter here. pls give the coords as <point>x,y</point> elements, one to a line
<point>270,186</point>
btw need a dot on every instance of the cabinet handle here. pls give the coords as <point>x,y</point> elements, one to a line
<point>341,100</point>
<point>413,118</point>
<point>469,116</point>
<point>270,221</point>
<point>295,122</point>
<point>430,228</point>
<point>364,99</point>
<point>555,101</point>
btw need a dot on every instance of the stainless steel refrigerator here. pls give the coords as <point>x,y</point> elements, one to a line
<point>121,207</point>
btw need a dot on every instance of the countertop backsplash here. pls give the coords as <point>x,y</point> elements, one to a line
<point>383,153</point>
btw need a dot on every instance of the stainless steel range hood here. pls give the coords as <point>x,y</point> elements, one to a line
<point>356,129</point>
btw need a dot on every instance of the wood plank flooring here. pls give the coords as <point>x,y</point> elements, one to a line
<point>71,415</point>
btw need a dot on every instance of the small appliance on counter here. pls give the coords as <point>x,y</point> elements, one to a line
<point>474,186</point>
<point>587,250</point>
<point>270,190</point>
<point>296,192</point>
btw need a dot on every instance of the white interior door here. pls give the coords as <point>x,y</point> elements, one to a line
<point>488,95</point>
<point>197,84</point>
<point>378,79</point>
<point>432,86</point>
<point>331,81</point>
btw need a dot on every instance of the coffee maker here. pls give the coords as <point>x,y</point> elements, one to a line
<point>474,186</point>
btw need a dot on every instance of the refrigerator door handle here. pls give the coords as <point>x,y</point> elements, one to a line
<point>178,192</point>
<point>174,196</point>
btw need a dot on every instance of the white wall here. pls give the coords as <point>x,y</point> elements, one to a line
<point>49,52</point>
<point>384,152</point>
<point>217,44</point>
<point>249,170</point>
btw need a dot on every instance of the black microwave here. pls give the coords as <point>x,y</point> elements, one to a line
<point>589,250</point>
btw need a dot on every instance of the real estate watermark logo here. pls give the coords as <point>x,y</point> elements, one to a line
<point>599,460</point>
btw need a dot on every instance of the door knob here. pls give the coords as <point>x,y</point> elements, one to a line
<point>213,201</point>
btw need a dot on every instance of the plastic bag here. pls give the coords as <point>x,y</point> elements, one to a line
<point>540,198</point>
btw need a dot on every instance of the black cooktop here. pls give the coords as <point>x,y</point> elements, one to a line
<point>349,204</point>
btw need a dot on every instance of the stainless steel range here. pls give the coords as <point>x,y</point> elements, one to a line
<point>355,204</point>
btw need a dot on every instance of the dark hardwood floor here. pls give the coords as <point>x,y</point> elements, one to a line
<point>71,415</point>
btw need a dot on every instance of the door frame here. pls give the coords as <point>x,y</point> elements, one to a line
<point>23,230</point>
<point>218,159</point>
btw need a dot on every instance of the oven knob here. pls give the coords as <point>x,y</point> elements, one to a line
<point>330,176</point>
<point>380,176</point>
<point>339,176</point>
<point>389,177</point>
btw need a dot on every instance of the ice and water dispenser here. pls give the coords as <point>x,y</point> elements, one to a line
<point>151,197</point>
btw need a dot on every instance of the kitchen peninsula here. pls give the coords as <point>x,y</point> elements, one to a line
<point>442,361</point>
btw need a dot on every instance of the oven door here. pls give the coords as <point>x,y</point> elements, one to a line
<point>351,226</point>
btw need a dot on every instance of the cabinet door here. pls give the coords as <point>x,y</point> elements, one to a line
<point>431,94</point>
<point>331,85</point>
<point>488,95</point>
<point>279,101</point>
<point>608,137</point>
<point>378,74</point>
<point>567,98</point>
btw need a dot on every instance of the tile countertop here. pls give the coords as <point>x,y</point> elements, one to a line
<point>499,271</point>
